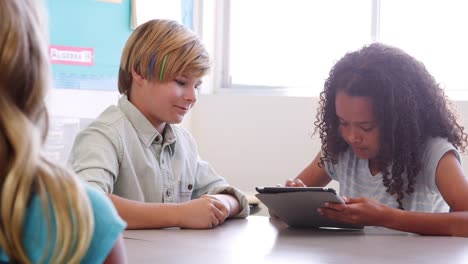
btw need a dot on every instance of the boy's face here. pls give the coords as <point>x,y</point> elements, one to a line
<point>168,102</point>
<point>358,125</point>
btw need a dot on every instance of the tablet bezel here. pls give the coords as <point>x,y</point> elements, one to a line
<point>278,189</point>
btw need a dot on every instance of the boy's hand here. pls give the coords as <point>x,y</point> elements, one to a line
<point>205,212</point>
<point>222,198</point>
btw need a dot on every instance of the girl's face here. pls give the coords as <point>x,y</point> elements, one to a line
<point>358,125</point>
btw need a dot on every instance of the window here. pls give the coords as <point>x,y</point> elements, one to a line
<point>292,44</point>
<point>289,46</point>
<point>433,31</point>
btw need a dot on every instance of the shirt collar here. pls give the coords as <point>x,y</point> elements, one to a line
<point>145,130</point>
<point>169,138</point>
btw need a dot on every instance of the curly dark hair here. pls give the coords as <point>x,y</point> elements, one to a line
<point>410,107</point>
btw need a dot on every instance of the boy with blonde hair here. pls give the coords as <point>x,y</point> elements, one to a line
<point>149,166</point>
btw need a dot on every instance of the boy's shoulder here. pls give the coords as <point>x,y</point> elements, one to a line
<point>110,116</point>
<point>182,134</point>
<point>111,120</point>
<point>180,130</point>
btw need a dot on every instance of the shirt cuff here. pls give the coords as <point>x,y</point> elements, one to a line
<point>243,203</point>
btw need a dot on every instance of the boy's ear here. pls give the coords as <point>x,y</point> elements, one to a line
<point>137,78</point>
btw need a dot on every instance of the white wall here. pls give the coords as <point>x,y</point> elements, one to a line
<point>255,140</point>
<point>262,140</point>
<point>251,140</point>
<point>79,103</point>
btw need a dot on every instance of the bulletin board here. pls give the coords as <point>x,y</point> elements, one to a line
<point>86,41</point>
<point>87,38</point>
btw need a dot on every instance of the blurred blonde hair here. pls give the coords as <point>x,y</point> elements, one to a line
<point>161,50</point>
<point>24,171</point>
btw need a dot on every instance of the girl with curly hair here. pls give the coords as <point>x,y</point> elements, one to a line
<point>391,141</point>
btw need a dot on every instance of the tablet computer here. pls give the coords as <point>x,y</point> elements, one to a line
<point>297,206</point>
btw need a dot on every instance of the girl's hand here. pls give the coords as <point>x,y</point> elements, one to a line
<point>205,212</point>
<point>358,211</point>
<point>294,183</point>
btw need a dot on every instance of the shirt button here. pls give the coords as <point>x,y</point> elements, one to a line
<point>190,186</point>
<point>158,138</point>
<point>168,192</point>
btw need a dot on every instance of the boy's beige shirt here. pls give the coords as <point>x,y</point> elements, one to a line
<point>123,154</point>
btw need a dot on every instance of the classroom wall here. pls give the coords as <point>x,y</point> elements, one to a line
<point>255,140</point>
<point>251,140</point>
<point>262,140</point>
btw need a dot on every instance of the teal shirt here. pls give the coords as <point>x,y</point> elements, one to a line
<point>107,228</point>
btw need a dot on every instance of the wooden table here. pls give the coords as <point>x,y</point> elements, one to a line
<point>260,239</point>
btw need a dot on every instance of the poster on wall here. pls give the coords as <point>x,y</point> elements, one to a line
<point>87,38</point>
<point>71,55</point>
